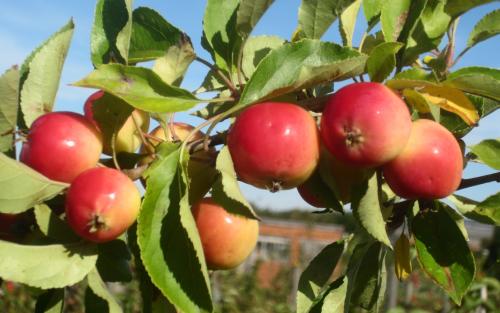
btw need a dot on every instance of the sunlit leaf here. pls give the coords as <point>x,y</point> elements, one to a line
<point>98,296</point>
<point>488,151</point>
<point>21,187</point>
<point>111,31</point>
<point>316,16</point>
<point>481,81</point>
<point>347,22</point>
<point>249,14</point>
<point>487,27</point>
<point>382,60</point>
<point>9,93</point>
<point>139,87</point>
<point>43,71</point>
<point>173,65</point>
<point>55,266</point>
<point>299,65</point>
<point>256,48</point>
<point>393,17</point>
<point>226,190</point>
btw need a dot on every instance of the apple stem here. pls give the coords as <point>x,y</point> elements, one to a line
<point>146,144</point>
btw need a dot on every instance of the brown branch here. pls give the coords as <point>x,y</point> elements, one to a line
<point>471,182</point>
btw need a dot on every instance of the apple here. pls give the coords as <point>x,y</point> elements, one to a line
<point>274,145</point>
<point>101,204</point>
<point>429,167</point>
<point>127,138</point>
<point>308,195</point>
<point>61,145</point>
<point>227,239</point>
<point>200,170</point>
<point>365,124</point>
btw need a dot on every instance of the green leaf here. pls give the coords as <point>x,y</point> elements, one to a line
<point>367,278</point>
<point>9,93</point>
<point>139,87</point>
<point>170,248</point>
<point>300,65</point>
<point>317,274</point>
<point>487,27</point>
<point>443,252</point>
<point>220,36</point>
<point>113,262</point>
<point>316,16</point>
<point>347,22</point>
<point>481,81</point>
<point>226,190</point>
<point>211,82</point>
<point>55,266</point>
<point>249,14</point>
<point>457,7</point>
<point>43,72</point>
<point>393,17</point>
<point>371,41</point>
<point>382,60</point>
<point>173,65</point>
<point>255,49</point>
<point>51,301</point>
<point>152,35</point>
<point>331,300</point>
<point>366,209</point>
<point>110,37</point>
<point>371,9</point>
<point>52,226</point>
<point>21,187</point>
<point>488,151</point>
<point>486,212</point>
<point>101,299</point>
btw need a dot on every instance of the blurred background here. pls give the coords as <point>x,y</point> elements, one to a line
<point>290,234</point>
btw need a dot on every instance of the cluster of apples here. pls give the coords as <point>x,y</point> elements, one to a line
<point>364,127</point>
<point>101,203</point>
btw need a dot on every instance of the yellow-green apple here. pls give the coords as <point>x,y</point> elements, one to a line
<point>429,167</point>
<point>101,204</point>
<point>128,138</point>
<point>61,145</point>
<point>365,124</point>
<point>227,239</point>
<point>274,145</point>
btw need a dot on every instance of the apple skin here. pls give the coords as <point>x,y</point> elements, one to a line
<point>127,138</point>
<point>430,166</point>
<point>308,196</point>
<point>201,173</point>
<point>101,204</point>
<point>274,145</point>
<point>61,145</point>
<point>365,124</point>
<point>227,239</point>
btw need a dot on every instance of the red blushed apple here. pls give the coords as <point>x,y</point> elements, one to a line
<point>274,145</point>
<point>309,196</point>
<point>61,145</point>
<point>365,124</point>
<point>429,167</point>
<point>227,239</point>
<point>127,139</point>
<point>101,204</point>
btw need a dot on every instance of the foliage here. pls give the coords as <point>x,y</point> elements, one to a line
<point>408,45</point>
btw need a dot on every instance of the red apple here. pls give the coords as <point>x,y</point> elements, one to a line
<point>429,167</point>
<point>101,204</point>
<point>227,239</point>
<point>61,145</point>
<point>127,139</point>
<point>274,145</point>
<point>365,124</point>
<point>309,196</point>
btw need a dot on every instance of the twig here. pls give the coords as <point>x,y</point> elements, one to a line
<point>113,151</point>
<point>471,182</point>
<point>141,135</point>
<point>214,68</point>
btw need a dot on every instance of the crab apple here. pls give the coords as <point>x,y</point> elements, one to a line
<point>200,172</point>
<point>227,239</point>
<point>429,167</point>
<point>127,139</point>
<point>365,124</point>
<point>274,145</point>
<point>61,145</point>
<point>101,204</point>
<point>308,195</point>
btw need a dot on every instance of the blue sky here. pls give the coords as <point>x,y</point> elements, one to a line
<point>25,24</point>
